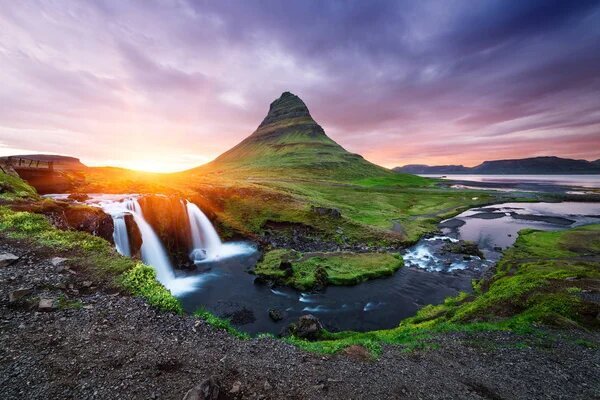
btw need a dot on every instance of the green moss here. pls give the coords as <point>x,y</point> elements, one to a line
<point>220,323</point>
<point>14,188</point>
<point>64,303</point>
<point>310,270</point>
<point>141,281</point>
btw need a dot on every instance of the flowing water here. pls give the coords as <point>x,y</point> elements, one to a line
<point>430,274</point>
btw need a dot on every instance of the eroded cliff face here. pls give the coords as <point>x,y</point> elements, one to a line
<point>65,215</point>
<point>168,217</point>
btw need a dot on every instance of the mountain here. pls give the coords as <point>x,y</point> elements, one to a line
<point>289,141</point>
<point>534,165</point>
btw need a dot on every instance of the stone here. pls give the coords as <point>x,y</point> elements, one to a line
<point>81,197</point>
<point>276,315</point>
<point>206,390</point>
<point>56,261</point>
<point>307,327</point>
<point>47,305</point>
<point>357,352</point>
<point>267,386</point>
<point>18,294</point>
<point>237,386</point>
<point>326,212</point>
<point>7,259</point>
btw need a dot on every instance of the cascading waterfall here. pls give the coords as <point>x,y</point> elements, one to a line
<point>153,252</point>
<point>120,235</point>
<point>205,240</point>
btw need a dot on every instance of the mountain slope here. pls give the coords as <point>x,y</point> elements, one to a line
<point>534,165</point>
<point>290,141</point>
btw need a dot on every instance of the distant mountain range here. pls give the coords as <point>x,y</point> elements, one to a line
<point>533,166</point>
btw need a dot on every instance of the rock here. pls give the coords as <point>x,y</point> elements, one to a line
<point>237,386</point>
<point>47,305</point>
<point>7,259</point>
<point>86,284</point>
<point>78,196</point>
<point>56,261</point>
<point>267,386</point>
<point>276,315</point>
<point>286,267</point>
<point>326,212</point>
<point>18,294</point>
<point>497,248</point>
<point>206,390</point>
<point>464,247</point>
<point>307,327</point>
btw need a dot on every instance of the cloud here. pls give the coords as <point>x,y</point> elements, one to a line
<point>398,81</point>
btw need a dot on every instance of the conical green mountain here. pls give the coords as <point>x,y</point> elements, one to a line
<point>290,142</point>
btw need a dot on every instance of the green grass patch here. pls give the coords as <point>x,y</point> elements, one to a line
<point>220,323</point>
<point>14,188</point>
<point>141,281</point>
<point>305,271</point>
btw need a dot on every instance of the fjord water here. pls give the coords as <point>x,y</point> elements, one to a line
<point>586,181</point>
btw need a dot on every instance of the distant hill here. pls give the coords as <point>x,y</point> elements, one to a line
<point>60,162</point>
<point>535,165</point>
<point>290,142</point>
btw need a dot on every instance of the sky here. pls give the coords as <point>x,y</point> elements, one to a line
<point>168,85</point>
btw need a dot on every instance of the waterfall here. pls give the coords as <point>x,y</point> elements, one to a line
<point>205,239</point>
<point>120,235</point>
<point>153,252</point>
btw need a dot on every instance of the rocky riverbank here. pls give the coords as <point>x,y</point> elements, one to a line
<point>95,342</point>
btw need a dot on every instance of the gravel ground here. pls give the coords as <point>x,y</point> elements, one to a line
<point>112,346</point>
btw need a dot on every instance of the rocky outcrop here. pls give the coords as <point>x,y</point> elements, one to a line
<point>307,327</point>
<point>168,217</point>
<point>134,235</point>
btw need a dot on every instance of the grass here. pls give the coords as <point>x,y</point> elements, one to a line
<point>94,254</point>
<point>220,323</point>
<point>310,270</point>
<point>13,188</point>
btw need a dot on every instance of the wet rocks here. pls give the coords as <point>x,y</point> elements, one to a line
<point>207,390</point>
<point>81,197</point>
<point>452,223</point>
<point>7,259</point>
<point>463,247</point>
<point>241,317</point>
<point>276,314</point>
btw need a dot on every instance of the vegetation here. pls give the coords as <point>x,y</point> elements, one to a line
<point>220,323</point>
<point>540,281</point>
<point>141,281</point>
<point>309,270</point>
<point>14,188</point>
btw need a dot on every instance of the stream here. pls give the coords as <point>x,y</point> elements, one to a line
<point>226,288</point>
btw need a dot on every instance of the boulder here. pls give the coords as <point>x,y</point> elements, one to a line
<point>276,315</point>
<point>326,212</point>
<point>47,305</point>
<point>18,294</point>
<point>7,259</point>
<point>307,327</point>
<point>81,197</point>
<point>206,390</point>
<point>56,261</point>
<point>90,219</point>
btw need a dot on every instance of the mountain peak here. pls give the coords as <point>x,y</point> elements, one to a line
<point>288,105</point>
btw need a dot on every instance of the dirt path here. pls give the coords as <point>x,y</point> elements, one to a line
<point>111,346</point>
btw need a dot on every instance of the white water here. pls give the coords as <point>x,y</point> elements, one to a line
<point>153,252</point>
<point>120,235</point>
<point>205,239</point>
